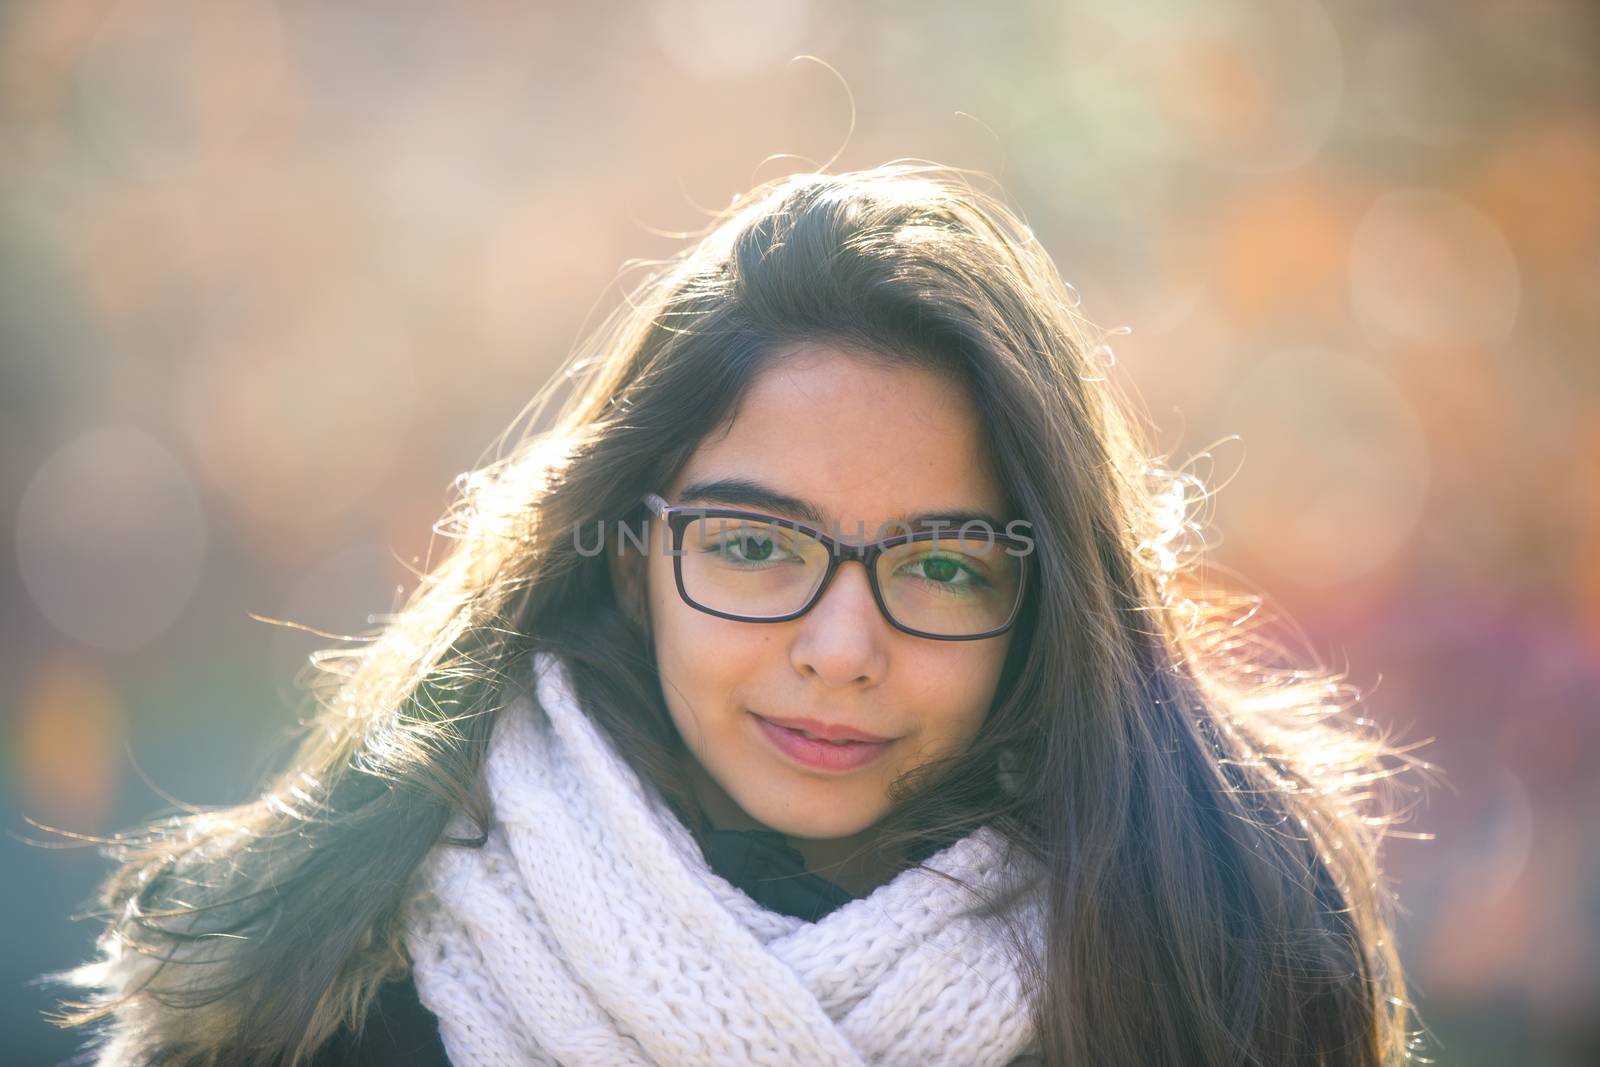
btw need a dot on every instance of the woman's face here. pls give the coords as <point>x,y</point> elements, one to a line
<point>862,444</point>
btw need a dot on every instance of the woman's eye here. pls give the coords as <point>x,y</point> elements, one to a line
<point>750,548</point>
<point>947,571</point>
<point>754,549</point>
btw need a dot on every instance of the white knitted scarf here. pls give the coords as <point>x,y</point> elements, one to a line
<point>589,930</point>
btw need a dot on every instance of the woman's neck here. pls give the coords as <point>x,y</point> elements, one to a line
<point>848,862</point>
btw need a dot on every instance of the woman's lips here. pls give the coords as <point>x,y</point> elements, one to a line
<point>820,755</point>
<point>825,730</point>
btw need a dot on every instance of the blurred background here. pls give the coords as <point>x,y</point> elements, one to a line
<point>272,274</point>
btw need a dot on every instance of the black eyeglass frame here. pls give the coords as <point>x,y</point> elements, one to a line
<point>677,518</point>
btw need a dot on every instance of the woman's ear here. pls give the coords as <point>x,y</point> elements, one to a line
<point>628,585</point>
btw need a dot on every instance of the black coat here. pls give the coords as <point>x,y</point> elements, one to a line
<point>401,1032</point>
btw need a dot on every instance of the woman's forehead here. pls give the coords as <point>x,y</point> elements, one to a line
<point>825,436</point>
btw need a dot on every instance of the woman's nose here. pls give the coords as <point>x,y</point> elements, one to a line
<point>842,640</point>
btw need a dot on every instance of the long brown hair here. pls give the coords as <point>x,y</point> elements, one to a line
<point>1206,811</point>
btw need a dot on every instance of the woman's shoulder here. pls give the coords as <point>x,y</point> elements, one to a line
<point>399,1031</point>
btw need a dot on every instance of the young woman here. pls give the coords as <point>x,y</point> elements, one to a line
<point>827,685</point>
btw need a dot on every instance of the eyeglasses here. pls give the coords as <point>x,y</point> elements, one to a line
<point>750,567</point>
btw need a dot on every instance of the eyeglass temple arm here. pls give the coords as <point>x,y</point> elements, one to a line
<point>655,503</point>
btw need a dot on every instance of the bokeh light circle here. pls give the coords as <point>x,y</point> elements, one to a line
<point>1239,87</point>
<point>715,39</point>
<point>69,732</point>
<point>1427,267</point>
<point>1336,466</point>
<point>299,418</point>
<point>111,537</point>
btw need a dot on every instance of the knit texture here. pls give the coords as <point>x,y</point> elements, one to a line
<point>589,930</point>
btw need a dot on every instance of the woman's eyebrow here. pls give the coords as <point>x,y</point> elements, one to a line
<point>745,493</point>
